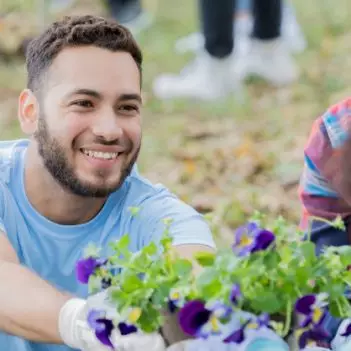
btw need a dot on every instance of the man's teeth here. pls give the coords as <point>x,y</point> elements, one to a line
<point>102,155</point>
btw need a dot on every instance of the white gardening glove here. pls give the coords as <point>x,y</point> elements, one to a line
<point>342,343</point>
<point>76,332</point>
<point>263,339</point>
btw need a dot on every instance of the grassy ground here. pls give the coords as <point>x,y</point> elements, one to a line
<point>229,157</point>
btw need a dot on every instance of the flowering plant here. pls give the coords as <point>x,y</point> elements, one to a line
<point>272,276</point>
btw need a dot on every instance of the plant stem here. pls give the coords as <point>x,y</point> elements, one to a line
<point>287,319</point>
<point>340,309</point>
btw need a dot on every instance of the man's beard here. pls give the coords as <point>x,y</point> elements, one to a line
<point>56,162</point>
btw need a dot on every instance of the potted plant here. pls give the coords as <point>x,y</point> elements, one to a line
<point>270,277</point>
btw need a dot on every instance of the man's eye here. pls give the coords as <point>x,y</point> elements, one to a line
<point>83,103</point>
<point>129,108</point>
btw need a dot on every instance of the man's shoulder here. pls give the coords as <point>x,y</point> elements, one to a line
<point>142,189</point>
<point>9,150</point>
<point>155,206</point>
<point>154,199</point>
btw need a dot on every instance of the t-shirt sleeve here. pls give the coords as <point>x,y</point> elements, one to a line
<point>2,209</point>
<point>2,228</point>
<point>187,225</point>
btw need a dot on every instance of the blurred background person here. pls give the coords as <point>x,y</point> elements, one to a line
<point>131,14</point>
<point>291,31</point>
<point>217,69</point>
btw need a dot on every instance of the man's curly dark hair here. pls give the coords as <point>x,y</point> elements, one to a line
<point>74,31</point>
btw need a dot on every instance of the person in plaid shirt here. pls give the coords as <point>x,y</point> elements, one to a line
<point>325,191</point>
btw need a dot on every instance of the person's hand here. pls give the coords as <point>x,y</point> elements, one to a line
<point>77,333</point>
<point>263,339</point>
<point>341,342</point>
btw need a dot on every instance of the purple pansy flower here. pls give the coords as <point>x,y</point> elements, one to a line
<point>219,310</point>
<point>251,238</point>
<point>171,306</point>
<point>235,294</point>
<point>176,300</point>
<point>106,283</point>
<point>237,336</point>
<point>200,320</point>
<point>263,320</point>
<point>259,322</point>
<point>86,267</point>
<point>347,331</point>
<point>126,329</point>
<point>219,313</point>
<point>313,308</point>
<point>101,325</point>
<point>314,336</point>
<point>193,316</point>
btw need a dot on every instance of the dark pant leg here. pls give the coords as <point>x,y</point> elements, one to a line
<point>217,26</point>
<point>124,10</point>
<point>267,19</point>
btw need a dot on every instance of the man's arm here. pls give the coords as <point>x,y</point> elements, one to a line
<point>29,306</point>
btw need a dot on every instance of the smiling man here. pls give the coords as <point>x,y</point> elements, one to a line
<point>73,181</point>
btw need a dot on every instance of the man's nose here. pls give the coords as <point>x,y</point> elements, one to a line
<point>107,126</point>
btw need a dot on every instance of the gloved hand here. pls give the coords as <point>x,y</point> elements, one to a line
<point>76,333</point>
<point>263,339</point>
<point>340,342</point>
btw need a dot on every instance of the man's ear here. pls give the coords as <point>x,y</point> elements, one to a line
<point>28,111</point>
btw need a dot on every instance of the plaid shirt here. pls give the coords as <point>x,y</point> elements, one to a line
<point>321,181</point>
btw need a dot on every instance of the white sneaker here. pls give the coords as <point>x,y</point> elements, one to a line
<point>195,42</point>
<point>291,31</point>
<point>206,78</point>
<point>60,5</point>
<point>291,34</point>
<point>271,61</point>
<point>139,24</point>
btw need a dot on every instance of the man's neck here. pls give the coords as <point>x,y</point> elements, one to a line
<point>51,200</point>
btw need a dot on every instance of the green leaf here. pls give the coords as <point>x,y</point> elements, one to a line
<point>206,277</point>
<point>205,259</point>
<point>150,249</point>
<point>339,223</point>
<point>334,309</point>
<point>336,289</point>
<point>92,250</point>
<point>166,242</point>
<point>211,290</point>
<point>267,301</point>
<point>150,320</point>
<point>134,210</point>
<point>345,255</point>
<point>308,250</point>
<point>271,260</point>
<point>161,294</point>
<point>94,284</point>
<point>121,246</point>
<point>182,267</point>
<point>140,261</point>
<point>130,282</point>
<point>121,299</point>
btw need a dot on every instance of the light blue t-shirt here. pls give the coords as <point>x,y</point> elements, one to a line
<point>52,250</point>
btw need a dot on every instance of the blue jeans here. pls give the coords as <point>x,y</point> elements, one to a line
<point>324,235</point>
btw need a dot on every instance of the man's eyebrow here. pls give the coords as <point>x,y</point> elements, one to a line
<point>88,92</point>
<point>95,94</point>
<point>124,97</point>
